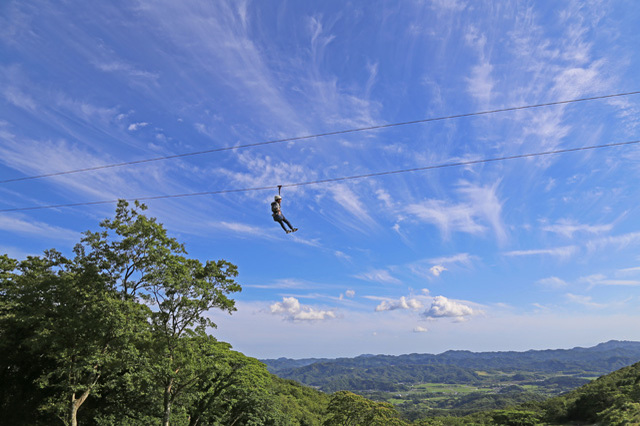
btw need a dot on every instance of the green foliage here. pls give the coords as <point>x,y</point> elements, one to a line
<point>68,325</point>
<point>300,405</point>
<point>612,397</point>
<point>348,409</point>
<point>622,413</point>
<point>516,418</point>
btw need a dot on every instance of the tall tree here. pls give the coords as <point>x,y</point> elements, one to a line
<point>142,261</point>
<point>64,317</point>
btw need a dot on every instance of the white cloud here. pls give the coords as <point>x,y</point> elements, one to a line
<point>583,300</point>
<point>126,69</point>
<point>561,252</point>
<point>481,83</point>
<point>552,282</point>
<point>482,205</point>
<point>447,217</point>
<point>448,5</point>
<point>21,225</point>
<point>380,276</point>
<point>242,228</point>
<point>385,197</point>
<point>487,205</point>
<point>600,279</point>
<point>567,228</point>
<point>257,169</point>
<point>402,303</point>
<point>291,309</point>
<point>17,97</point>
<point>350,293</point>
<point>463,258</point>
<point>626,271</point>
<point>349,200</point>
<point>342,255</point>
<point>419,329</point>
<point>135,126</point>
<point>429,268</point>
<point>618,241</point>
<point>437,270</point>
<point>441,307</point>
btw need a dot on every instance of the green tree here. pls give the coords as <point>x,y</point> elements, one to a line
<point>142,261</point>
<point>348,409</point>
<point>516,418</point>
<point>183,290</point>
<point>621,414</point>
<point>62,317</point>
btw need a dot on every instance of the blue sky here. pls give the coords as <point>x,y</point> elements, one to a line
<point>532,253</point>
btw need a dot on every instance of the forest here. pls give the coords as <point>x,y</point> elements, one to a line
<point>117,335</point>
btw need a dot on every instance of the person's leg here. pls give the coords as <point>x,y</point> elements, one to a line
<point>282,224</point>
<point>284,219</point>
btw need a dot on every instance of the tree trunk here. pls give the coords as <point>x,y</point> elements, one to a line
<point>73,414</point>
<point>75,405</point>
<point>167,404</point>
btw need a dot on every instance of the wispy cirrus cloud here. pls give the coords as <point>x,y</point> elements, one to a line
<point>244,229</point>
<point>561,252</point>
<point>584,300</point>
<point>481,207</point>
<point>552,282</point>
<point>378,275</point>
<point>568,228</point>
<point>603,280</point>
<point>24,225</point>
<point>615,241</point>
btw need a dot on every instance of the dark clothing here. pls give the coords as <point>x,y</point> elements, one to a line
<point>278,216</point>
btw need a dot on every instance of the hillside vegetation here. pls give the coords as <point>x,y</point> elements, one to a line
<point>384,372</point>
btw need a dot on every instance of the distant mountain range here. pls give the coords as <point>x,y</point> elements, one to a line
<point>384,372</point>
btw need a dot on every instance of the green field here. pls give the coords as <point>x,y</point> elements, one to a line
<point>496,390</point>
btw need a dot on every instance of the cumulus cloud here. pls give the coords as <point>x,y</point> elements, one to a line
<point>291,309</point>
<point>402,303</point>
<point>441,307</point>
<point>419,329</point>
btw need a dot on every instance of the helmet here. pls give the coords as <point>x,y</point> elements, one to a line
<point>277,197</point>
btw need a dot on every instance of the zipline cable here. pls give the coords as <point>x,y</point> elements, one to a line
<point>330,180</point>
<point>318,135</point>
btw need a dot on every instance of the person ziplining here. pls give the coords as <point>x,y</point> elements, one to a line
<point>278,216</point>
